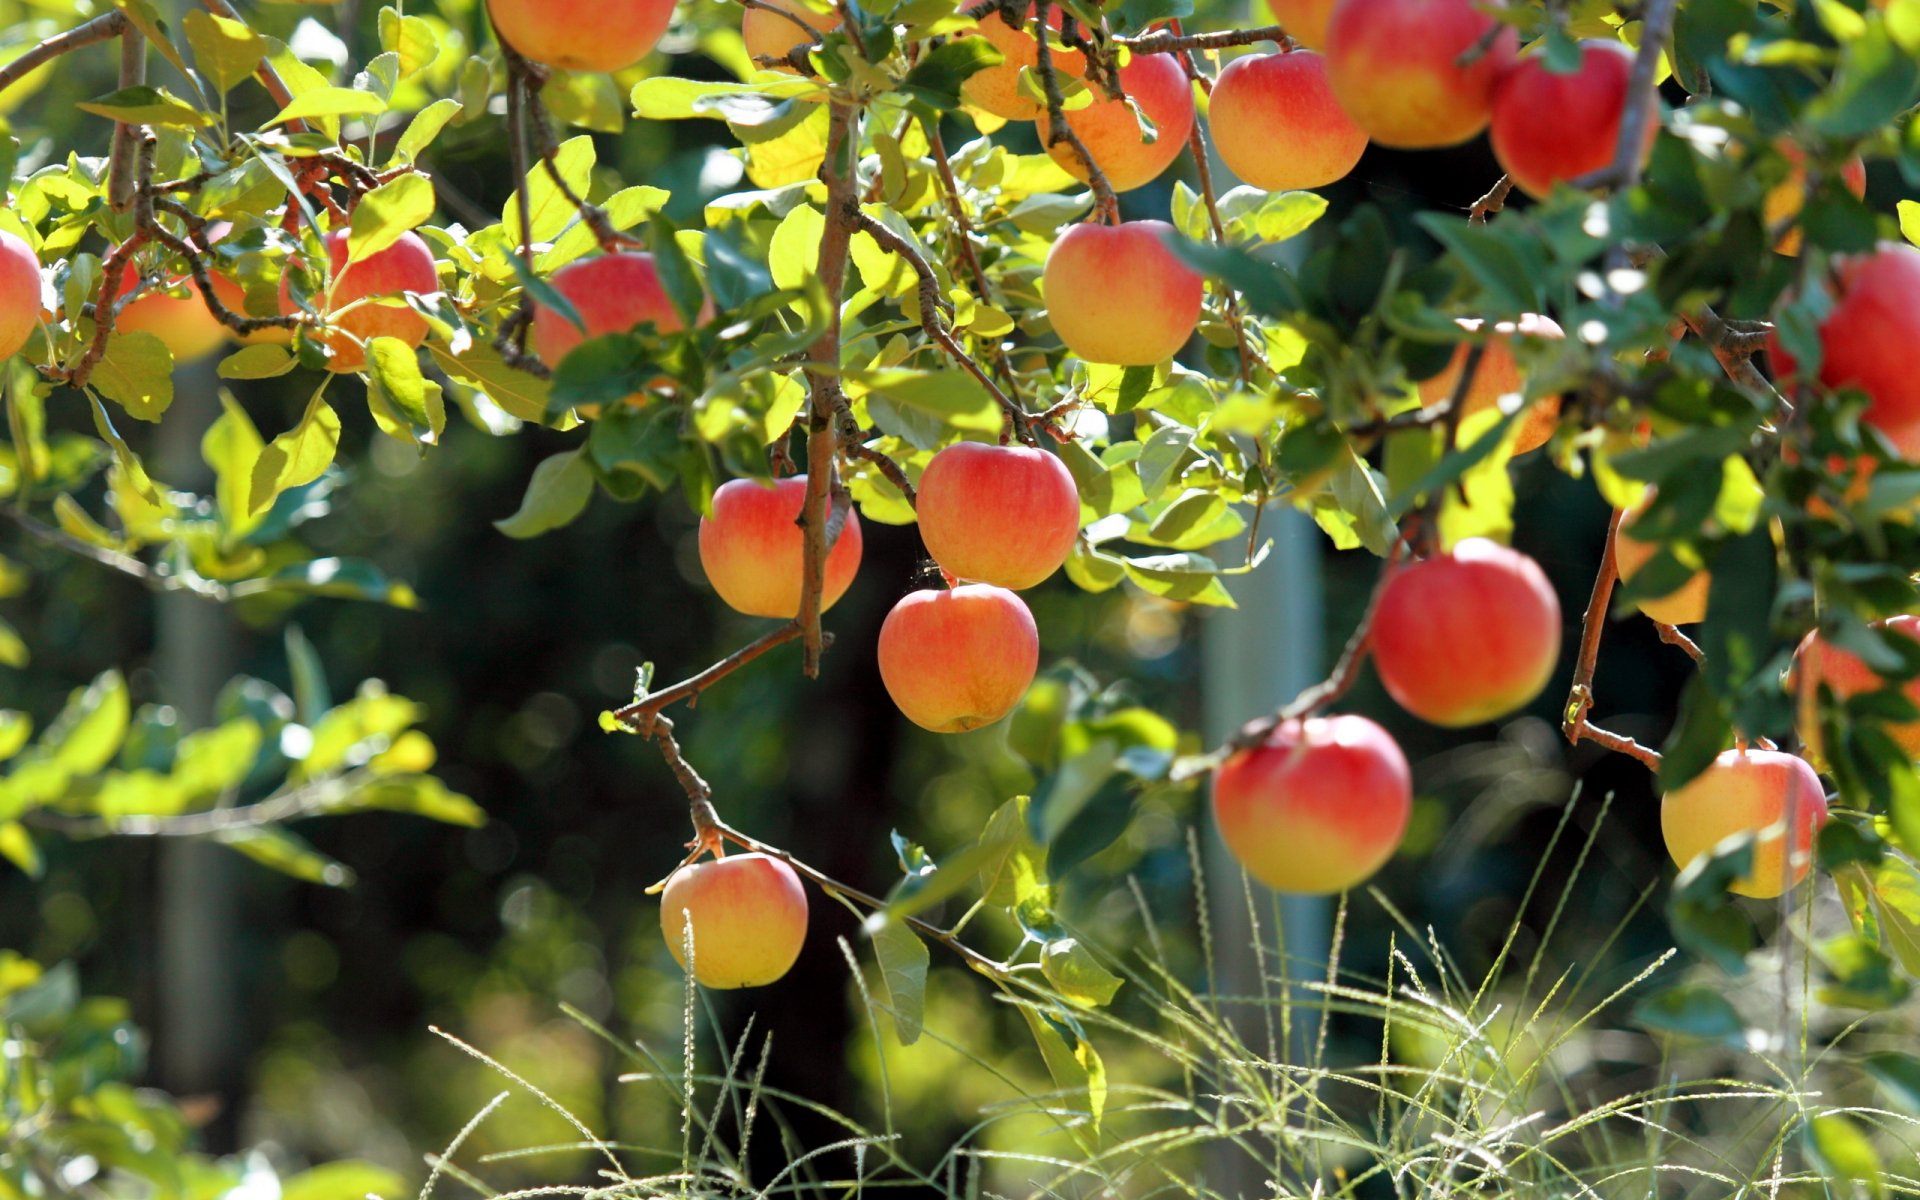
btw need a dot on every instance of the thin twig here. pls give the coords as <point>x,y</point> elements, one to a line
<point>639,715</point>
<point>1574,723</point>
<point>115,560</point>
<point>1106,205</point>
<point>310,799</point>
<point>1494,201</point>
<point>1629,157</point>
<point>1180,42</point>
<point>100,29</point>
<point>963,241</point>
<point>1673,637</point>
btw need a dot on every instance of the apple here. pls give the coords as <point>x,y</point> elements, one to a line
<point>1117,293</point>
<point>996,89</point>
<point>749,918</point>
<point>177,315</point>
<point>1550,128</point>
<point>1687,604</point>
<point>754,551</point>
<point>1499,377</point>
<point>612,293</point>
<point>19,293</point>
<point>582,35</point>
<point>1818,661</point>
<point>1868,337</point>
<point>1277,126</point>
<point>405,266</point>
<point>1317,807</point>
<point>957,659</point>
<point>1785,199</point>
<point>1467,636</point>
<point>1764,792</point>
<point>770,35</point>
<point>1304,20</point>
<point>1005,515</point>
<point>1394,66</point>
<point>1113,135</point>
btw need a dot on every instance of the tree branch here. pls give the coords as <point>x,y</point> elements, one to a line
<point>1106,205</point>
<point>963,239</point>
<point>1629,157</point>
<point>1181,43</point>
<point>1494,201</point>
<point>115,560</point>
<point>641,714</point>
<point>1573,723</point>
<point>100,29</point>
<point>122,186</point>
<point>310,799</point>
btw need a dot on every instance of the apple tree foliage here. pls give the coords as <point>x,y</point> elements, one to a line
<point>867,295</point>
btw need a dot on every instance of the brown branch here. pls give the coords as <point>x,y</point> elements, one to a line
<point>122,185</point>
<point>1573,723</point>
<point>853,443</point>
<point>1106,205</point>
<point>534,79</point>
<point>963,238</point>
<point>1180,42</point>
<point>115,560</point>
<point>1494,201</point>
<point>100,29</point>
<point>1673,637</point>
<point>1656,27</point>
<point>838,172</point>
<point>641,714</point>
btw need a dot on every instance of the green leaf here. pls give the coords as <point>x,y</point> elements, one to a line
<point>556,495</point>
<point>424,128</point>
<point>1077,975</point>
<point>903,976</point>
<point>1910,220</point>
<point>144,105</point>
<point>15,729</point>
<point>298,456</point>
<point>1015,868</point>
<point>287,854</point>
<point>85,736</point>
<point>232,447</point>
<point>136,374</point>
<point>937,77</point>
<point>520,394</point>
<point>227,52</point>
<point>664,98</point>
<point>421,795</point>
<point>1492,257</point>
<point>1692,1010</point>
<point>547,207</point>
<point>951,395</point>
<point>1841,1150</point>
<point>1898,1075</point>
<point>414,41</point>
<point>16,846</point>
<point>262,361</point>
<point>330,102</point>
<point>405,403</point>
<point>351,578</point>
<point>388,212</point>
<point>349,1180</point>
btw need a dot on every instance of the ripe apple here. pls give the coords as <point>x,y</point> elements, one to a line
<point>1005,515</point>
<point>1818,661</point>
<point>1785,200</point>
<point>405,266</point>
<point>1394,66</point>
<point>1468,636</point>
<point>754,551</point>
<point>1304,20</point>
<point>957,659</point>
<point>612,293</point>
<point>1868,336</point>
<point>1277,125</point>
<point>1113,135</point>
<point>996,89</point>
<point>1499,377</point>
<point>1687,604</point>
<point>1550,128</point>
<point>1764,792</point>
<point>582,35</point>
<point>1318,807</point>
<point>770,35</point>
<point>749,917</point>
<point>1117,294</point>
<point>19,293</point>
<point>178,316</point>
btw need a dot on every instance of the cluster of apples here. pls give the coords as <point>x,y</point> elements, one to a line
<point>997,519</point>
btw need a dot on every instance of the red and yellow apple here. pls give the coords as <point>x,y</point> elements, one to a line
<point>1763,792</point>
<point>1868,337</point>
<point>1317,807</point>
<point>1395,67</point>
<point>996,89</point>
<point>1118,294</point>
<point>19,293</point>
<point>405,266</point>
<point>612,293</point>
<point>1005,515</point>
<point>754,551</point>
<point>768,34</point>
<point>582,35</point>
<point>1785,199</point>
<point>1467,636</point>
<point>749,919</point>
<point>1277,126</point>
<point>1687,604</point>
<point>176,314</point>
<point>957,659</point>
<point>1550,128</point>
<point>1819,662</point>
<point>1304,20</point>
<point>1113,135</point>
<point>1499,377</point>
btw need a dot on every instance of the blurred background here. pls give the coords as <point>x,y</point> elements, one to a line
<point>300,1013</point>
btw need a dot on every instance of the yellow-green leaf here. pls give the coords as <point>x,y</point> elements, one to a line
<point>296,457</point>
